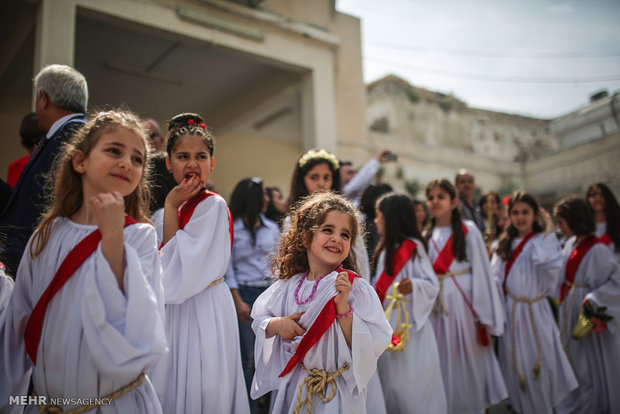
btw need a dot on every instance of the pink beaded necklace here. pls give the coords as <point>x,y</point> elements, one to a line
<point>314,287</point>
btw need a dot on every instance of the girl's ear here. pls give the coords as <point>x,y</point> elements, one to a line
<point>168,167</point>
<point>454,203</point>
<point>78,160</point>
<point>305,239</point>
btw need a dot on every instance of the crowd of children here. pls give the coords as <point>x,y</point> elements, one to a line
<point>113,314</point>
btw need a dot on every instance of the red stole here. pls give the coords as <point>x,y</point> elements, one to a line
<point>316,331</point>
<point>514,256</point>
<point>605,239</point>
<point>186,212</point>
<point>399,259</point>
<point>574,260</point>
<point>442,263</point>
<point>69,265</point>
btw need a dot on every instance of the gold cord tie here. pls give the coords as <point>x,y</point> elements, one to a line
<point>402,326</point>
<point>567,307</point>
<point>215,282</point>
<point>440,303</point>
<point>316,381</point>
<point>529,302</point>
<point>48,408</point>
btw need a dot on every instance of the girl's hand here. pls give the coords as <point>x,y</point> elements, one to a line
<point>549,226</point>
<point>185,190</point>
<point>109,212</point>
<point>285,326</point>
<point>405,286</point>
<point>343,287</point>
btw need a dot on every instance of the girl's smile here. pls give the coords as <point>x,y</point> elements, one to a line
<point>596,199</point>
<point>440,204</point>
<point>330,244</point>
<point>522,217</point>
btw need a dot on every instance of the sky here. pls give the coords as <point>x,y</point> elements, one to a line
<point>538,58</point>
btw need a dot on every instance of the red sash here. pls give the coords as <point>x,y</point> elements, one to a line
<point>316,331</point>
<point>574,260</point>
<point>69,265</point>
<point>186,212</point>
<point>514,256</point>
<point>605,239</point>
<point>399,259</point>
<point>442,263</point>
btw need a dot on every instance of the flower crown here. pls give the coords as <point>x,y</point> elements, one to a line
<point>189,128</point>
<point>314,154</point>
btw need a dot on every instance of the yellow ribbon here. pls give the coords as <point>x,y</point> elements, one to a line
<point>402,318</point>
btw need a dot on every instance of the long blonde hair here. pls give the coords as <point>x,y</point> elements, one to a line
<point>306,217</point>
<point>64,185</point>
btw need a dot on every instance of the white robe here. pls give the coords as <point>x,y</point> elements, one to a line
<point>95,338</point>
<point>595,358</point>
<point>411,379</point>
<point>371,335</point>
<point>601,229</point>
<point>534,274</point>
<point>203,371</point>
<point>471,375</point>
<point>6,288</point>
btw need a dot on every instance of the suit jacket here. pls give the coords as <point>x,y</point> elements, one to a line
<point>27,201</point>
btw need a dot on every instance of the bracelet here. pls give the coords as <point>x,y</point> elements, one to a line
<point>345,315</point>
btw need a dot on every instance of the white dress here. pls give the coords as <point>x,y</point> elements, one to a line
<point>202,372</point>
<point>595,358</point>
<point>471,375</point>
<point>601,229</point>
<point>6,288</point>
<point>411,379</point>
<point>533,276</point>
<point>95,338</point>
<point>371,335</point>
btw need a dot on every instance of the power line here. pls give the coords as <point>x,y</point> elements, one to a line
<point>496,78</point>
<point>498,54</point>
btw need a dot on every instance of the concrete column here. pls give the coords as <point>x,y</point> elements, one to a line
<point>55,33</point>
<point>318,108</point>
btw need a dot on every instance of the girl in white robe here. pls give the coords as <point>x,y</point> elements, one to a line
<point>596,357</point>
<point>526,266</point>
<point>310,277</point>
<point>471,375</point>
<point>202,372</point>
<point>410,378</point>
<point>606,212</point>
<point>104,327</point>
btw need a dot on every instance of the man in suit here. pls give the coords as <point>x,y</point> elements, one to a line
<point>61,99</point>
<point>465,186</point>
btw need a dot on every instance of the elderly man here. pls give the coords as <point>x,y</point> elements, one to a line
<point>465,186</point>
<point>61,99</point>
<point>162,180</point>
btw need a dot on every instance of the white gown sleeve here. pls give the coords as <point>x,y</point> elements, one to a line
<point>547,260</point>
<point>425,288</point>
<point>6,288</point>
<point>604,271</point>
<point>124,331</point>
<point>198,254</point>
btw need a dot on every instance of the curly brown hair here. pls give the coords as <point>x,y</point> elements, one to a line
<point>64,184</point>
<point>306,217</point>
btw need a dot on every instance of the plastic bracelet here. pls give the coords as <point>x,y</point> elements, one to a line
<point>345,315</point>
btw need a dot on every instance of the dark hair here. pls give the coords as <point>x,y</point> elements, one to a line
<point>272,212</point>
<point>576,212</point>
<point>30,132</point>
<point>307,162</point>
<point>369,199</point>
<point>247,203</point>
<point>423,204</point>
<point>458,242</point>
<point>400,224</point>
<point>504,248</point>
<point>306,217</point>
<point>188,124</point>
<point>612,212</point>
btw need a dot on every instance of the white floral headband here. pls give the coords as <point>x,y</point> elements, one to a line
<point>314,154</point>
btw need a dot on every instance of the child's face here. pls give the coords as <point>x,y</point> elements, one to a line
<point>502,221</point>
<point>331,242</point>
<point>439,202</point>
<point>190,157</point>
<point>318,179</point>
<point>379,222</point>
<point>596,200</point>
<point>420,215</point>
<point>563,226</point>
<point>115,163</point>
<point>522,217</point>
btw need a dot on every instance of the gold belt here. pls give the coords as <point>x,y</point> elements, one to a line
<point>315,382</point>
<point>440,296</point>
<point>215,282</point>
<point>48,408</point>
<point>529,302</point>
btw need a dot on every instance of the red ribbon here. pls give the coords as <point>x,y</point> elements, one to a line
<point>574,260</point>
<point>316,331</point>
<point>399,259</point>
<point>442,263</point>
<point>514,256</point>
<point>605,239</point>
<point>186,212</point>
<point>75,258</point>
